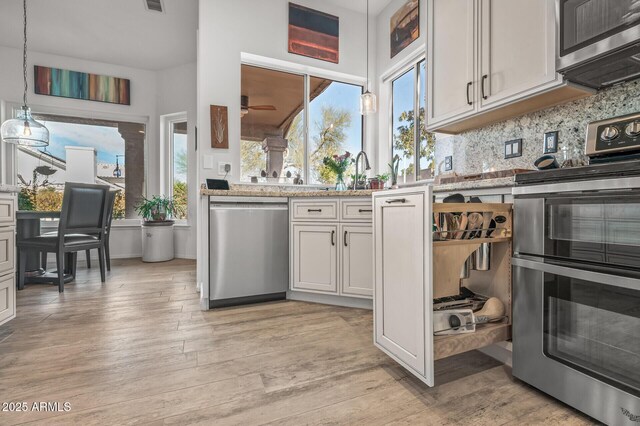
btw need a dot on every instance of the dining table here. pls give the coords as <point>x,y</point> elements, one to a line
<point>28,226</point>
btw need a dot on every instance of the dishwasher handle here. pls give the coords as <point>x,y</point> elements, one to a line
<point>248,206</point>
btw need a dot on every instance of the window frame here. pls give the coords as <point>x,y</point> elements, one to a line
<point>8,152</point>
<point>307,73</point>
<point>167,122</point>
<point>412,65</point>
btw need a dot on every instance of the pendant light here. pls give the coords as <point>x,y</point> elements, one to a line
<point>368,101</point>
<point>24,130</point>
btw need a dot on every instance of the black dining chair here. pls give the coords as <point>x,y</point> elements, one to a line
<point>82,225</point>
<point>110,203</point>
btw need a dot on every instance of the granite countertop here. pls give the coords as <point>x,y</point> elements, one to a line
<point>9,188</point>
<point>277,192</point>
<point>244,190</point>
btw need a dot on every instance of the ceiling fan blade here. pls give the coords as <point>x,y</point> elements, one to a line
<point>263,107</point>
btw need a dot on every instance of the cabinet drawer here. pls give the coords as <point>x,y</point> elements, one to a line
<point>314,210</point>
<point>7,297</point>
<point>7,250</point>
<point>361,210</point>
<point>7,209</point>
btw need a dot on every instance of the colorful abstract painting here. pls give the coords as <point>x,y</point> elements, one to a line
<point>405,26</point>
<point>81,85</point>
<point>314,34</point>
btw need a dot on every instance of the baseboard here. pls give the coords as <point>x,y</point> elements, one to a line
<point>329,299</point>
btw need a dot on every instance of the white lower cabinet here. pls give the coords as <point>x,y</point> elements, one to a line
<point>333,256</point>
<point>410,268</point>
<point>357,260</point>
<point>403,302</point>
<point>8,203</point>
<point>315,257</point>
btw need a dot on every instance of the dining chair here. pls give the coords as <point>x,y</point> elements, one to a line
<point>81,227</point>
<point>110,203</point>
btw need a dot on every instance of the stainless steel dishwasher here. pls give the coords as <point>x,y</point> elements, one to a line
<point>248,250</point>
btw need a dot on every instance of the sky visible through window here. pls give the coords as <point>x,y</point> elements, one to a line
<point>403,97</point>
<point>180,157</point>
<point>343,96</point>
<point>106,140</point>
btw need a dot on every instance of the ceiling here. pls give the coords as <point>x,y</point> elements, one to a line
<point>283,90</point>
<point>121,32</point>
<point>375,6</point>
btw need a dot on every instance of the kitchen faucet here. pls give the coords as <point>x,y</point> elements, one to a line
<point>366,167</point>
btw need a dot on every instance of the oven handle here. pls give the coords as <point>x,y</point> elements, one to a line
<point>612,185</point>
<point>614,280</point>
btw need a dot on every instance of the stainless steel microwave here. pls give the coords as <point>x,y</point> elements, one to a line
<point>598,41</point>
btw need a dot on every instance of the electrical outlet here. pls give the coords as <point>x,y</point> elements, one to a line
<point>448,163</point>
<point>550,142</point>
<point>224,168</point>
<point>513,148</point>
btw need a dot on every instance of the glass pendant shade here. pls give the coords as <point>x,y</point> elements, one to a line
<point>368,103</point>
<point>24,130</point>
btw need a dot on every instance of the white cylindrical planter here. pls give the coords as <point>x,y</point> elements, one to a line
<point>157,241</point>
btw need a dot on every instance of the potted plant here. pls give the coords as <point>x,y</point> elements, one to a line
<point>157,227</point>
<point>360,180</point>
<point>338,165</point>
<point>379,181</point>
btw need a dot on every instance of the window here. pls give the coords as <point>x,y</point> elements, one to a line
<point>407,137</point>
<point>119,162</point>
<point>179,169</point>
<point>277,142</point>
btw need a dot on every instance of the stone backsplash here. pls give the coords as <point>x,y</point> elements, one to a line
<point>483,148</point>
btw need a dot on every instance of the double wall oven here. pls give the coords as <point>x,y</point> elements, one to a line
<point>576,278</point>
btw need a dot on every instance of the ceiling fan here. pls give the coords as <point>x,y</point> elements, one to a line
<point>245,107</point>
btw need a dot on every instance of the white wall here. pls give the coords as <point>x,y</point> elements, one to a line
<point>177,93</point>
<point>151,92</point>
<point>386,66</point>
<point>227,28</point>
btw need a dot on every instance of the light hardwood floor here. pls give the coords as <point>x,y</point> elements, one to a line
<point>137,349</point>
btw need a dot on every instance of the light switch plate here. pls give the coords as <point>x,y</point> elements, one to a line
<point>448,163</point>
<point>207,162</point>
<point>550,142</point>
<point>513,148</point>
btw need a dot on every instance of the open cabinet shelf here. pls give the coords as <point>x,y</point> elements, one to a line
<point>485,335</point>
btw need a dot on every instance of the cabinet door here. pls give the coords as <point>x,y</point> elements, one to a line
<point>403,294</point>
<point>451,84</point>
<point>315,258</point>
<point>357,260</point>
<point>517,46</point>
<point>7,250</point>
<point>7,297</point>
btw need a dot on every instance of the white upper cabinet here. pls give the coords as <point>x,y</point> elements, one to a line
<point>503,51</point>
<point>517,46</point>
<point>451,48</point>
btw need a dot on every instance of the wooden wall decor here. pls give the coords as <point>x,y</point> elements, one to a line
<point>219,127</point>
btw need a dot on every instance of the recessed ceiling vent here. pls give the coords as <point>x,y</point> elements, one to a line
<point>154,5</point>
